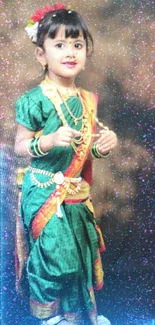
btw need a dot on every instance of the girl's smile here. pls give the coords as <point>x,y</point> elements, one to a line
<point>70,64</point>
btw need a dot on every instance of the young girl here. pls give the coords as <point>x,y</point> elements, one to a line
<point>58,241</point>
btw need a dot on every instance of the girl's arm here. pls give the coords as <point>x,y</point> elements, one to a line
<point>22,140</point>
<point>62,137</point>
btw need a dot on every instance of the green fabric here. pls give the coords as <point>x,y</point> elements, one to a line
<point>60,260</point>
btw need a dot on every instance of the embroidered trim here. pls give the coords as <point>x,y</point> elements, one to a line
<point>46,310</point>
<point>53,321</point>
<point>98,271</point>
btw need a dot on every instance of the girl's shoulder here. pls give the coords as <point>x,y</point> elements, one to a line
<point>32,109</point>
<point>34,94</point>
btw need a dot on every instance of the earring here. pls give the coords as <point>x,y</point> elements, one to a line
<point>45,67</point>
<point>83,68</point>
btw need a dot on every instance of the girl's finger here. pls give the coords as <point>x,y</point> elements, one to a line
<point>66,139</point>
<point>107,138</point>
<point>106,134</point>
<point>70,132</point>
<point>103,140</point>
<point>64,144</point>
<point>104,149</point>
<point>76,133</point>
<point>103,131</point>
<point>109,144</point>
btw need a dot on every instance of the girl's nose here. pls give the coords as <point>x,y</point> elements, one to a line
<point>71,51</point>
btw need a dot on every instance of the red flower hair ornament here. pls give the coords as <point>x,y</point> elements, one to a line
<point>39,14</point>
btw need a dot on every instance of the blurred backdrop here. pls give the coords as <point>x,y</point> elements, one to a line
<point>121,72</point>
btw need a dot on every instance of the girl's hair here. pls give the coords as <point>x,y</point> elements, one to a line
<point>73,23</point>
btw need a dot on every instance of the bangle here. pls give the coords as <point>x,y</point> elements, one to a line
<point>39,149</point>
<point>96,154</point>
<point>34,149</point>
<point>102,155</point>
<point>28,148</point>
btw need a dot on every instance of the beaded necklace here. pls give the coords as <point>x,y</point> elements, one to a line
<point>64,94</point>
<point>84,127</point>
<point>75,119</point>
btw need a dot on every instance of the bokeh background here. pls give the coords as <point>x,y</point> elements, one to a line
<point>121,72</point>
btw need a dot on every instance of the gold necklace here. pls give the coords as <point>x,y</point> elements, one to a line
<point>75,142</point>
<point>66,92</point>
<point>75,119</point>
<point>62,117</point>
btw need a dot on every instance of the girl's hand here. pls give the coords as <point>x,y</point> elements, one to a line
<point>106,142</point>
<point>63,136</point>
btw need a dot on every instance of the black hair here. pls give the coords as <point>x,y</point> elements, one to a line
<point>73,23</point>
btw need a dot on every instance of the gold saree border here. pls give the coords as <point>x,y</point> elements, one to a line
<point>20,246</point>
<point>98,272</point>
<point>75,318</point>
<point>102,246</point>
<point>44,310</point>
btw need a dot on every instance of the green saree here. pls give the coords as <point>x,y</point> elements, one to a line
<point>60,257</point>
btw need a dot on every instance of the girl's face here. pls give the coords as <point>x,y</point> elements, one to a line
<point>65,57</point>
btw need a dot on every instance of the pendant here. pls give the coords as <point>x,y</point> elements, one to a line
<point>58,178</point>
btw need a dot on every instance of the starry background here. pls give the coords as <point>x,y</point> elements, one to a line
<point>121,72</point>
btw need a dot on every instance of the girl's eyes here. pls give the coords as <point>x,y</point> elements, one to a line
<point>76,45</point>
<point>59,45</point>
